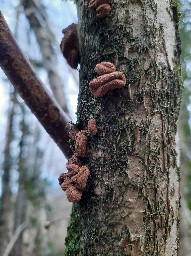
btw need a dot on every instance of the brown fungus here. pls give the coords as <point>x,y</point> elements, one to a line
<point>74,160</point>
<point>74,181</point>
<point>70,45</point>
<point>103,10</point>
<point>80,179</point>
<point>72,133</point>
<point>66,184</point>
<point>72,169</point>
<point>109,81</point>
<point>105,68</point>
<point>94,4</point>
<point>80,144</point>
<point>61,178</point>
<point>92,129</point>
<point>73,194</point>
<point>102,7</point>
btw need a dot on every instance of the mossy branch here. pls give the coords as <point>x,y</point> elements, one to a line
<point>21,74</point>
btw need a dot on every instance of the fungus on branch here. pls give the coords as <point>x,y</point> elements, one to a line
<point>70,45</point>
<point>102,7</point>
<point>109,79</point>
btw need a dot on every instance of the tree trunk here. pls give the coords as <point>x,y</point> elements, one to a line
<point>131,203</point>
<point>46,39</point>
<point>185,133</point>
<point>5,204</point>
<point>21,198</point>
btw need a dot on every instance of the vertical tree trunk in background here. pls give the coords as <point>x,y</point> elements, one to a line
<point>131,203</point>
<point>185,133</point>
<point>20,208</point>
<point>185,215</point>
<point>46,39</point>
<point>5,204</point>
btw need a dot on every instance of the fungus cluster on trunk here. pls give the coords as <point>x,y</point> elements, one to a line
<point>108,79</point>
<point>74,181</point>
<point>102,7</point>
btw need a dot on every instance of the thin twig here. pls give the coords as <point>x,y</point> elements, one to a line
<point>14,238</point>
<point>31,89</point>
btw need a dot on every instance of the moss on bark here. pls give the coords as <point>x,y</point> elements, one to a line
<point>130,206</point>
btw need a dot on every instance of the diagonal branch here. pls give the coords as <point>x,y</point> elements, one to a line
<point>31,89</point>
<point>46,39</point>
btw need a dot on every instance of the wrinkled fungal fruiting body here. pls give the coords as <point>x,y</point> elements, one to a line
<point>80,179</point>
<point>102,7</point>
<point>103,10</point>
<point>70,45</point>
<point>74,181</point>
<point>72,133</point>
<point>80,144</point>
<point>92,128</point>
<point>105,68</point>
<point>74,160</point>
<point>109,79</point>
<point>73,194</point>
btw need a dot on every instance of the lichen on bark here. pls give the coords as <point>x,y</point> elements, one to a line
<point>131,203</point>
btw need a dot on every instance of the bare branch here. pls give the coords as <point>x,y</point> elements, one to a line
<point>17,233</point>
<point>31,89</point>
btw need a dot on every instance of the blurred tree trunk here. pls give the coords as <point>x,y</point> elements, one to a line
<point>48,44</point>
<point>185,216</point>
<point>20,208</point>
<point>131,203</point>
<point>5,204</point>
<point>185,134</point>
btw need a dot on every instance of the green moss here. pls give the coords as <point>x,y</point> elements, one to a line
<point>176,11</point>
<point>72,240</point>
<point>178,73</point>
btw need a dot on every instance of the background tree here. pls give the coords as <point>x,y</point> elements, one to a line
<point>26,174</point>
<point>184,131</point>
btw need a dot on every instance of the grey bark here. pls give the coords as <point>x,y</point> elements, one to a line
<point>131,203</point>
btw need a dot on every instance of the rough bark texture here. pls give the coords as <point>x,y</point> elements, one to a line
<point>131,204</point>
<point>31,89</point>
